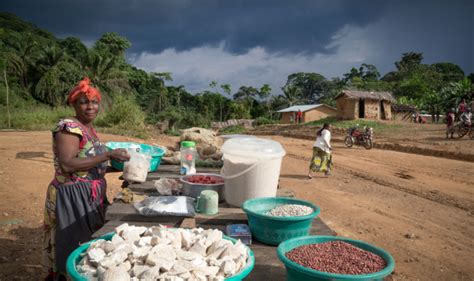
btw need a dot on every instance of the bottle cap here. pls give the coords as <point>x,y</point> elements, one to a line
<point>188,144</point>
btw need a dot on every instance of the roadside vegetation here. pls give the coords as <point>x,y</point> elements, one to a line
<point>38,70</point>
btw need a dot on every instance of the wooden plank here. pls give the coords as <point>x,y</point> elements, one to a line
<point>126,212</point>
<point>188,223</point>
<point>174,169</point>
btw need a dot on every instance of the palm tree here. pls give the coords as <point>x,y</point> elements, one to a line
<point>54,67</point>
<point>104,72</point>
<point>292,95</point>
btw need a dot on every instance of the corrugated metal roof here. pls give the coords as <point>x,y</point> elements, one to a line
<point>351,94</point>
<point>303,108</point>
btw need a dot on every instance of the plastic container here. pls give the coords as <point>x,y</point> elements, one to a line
<point>155,152</point>
<point>194,189</point>
<point>240,232</point>
<point>296,272</point>
<point>271,229</point>
<point>136,169</point>
<point>75,257</point>
<point>188,158</point>
<point>251,168</point>
<point>236,136</point>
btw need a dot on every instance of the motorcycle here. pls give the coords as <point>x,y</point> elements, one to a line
<point>358,137</point>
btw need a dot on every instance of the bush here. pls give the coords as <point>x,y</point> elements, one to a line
<point>264,121</point>
<point>233,130</point>
<point>124,113</point>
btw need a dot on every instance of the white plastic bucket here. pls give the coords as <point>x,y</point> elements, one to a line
<point>251,168</point>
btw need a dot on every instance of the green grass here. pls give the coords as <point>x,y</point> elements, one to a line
<point>376,125</point>
<point>33,117</point>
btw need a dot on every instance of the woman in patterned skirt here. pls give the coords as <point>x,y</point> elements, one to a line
<point>76,197</point>
<point>322,157</point>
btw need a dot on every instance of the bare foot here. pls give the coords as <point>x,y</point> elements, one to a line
<point>309,176</point>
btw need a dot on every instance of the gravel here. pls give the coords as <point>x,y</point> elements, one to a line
<point>337,257</point>
<point>290,210</point>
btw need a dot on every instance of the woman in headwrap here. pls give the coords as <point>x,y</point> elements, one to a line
<point>76,197</point>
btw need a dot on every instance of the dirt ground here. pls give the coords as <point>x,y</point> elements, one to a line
<point>419,208</point>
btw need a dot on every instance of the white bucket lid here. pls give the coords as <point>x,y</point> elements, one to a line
<point>253,147</point>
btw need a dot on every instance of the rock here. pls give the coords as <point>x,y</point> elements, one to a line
<point>411,236</point>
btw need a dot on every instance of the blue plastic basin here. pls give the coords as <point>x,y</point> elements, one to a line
<point>271,229</point>
<point>75,257</point>
<point>297,272</point>
<point>155,152</point>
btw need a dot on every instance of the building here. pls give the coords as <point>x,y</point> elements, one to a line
<point>359,104</point>
<point>310,112</point>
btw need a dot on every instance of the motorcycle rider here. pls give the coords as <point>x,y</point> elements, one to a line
<point>466,117</point>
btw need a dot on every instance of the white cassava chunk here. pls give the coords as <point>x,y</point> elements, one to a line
<point>186,255</point>
<point>141,252</point>
<point>180,267</point>
<point>116,273</point>
<point>121,227</point>
<point>95,255</point>
<point>152,273</point>
<point>186,239</point>
<point>137,270</point>
<point>117,239</point>
<point>206,270</point>
<point>228,268</point>
<point>108,246</point>
<point>144,241</point>
<point>155,260</point>
<point>212,235</point>
<point>199,248</point>
<point>124,247</point>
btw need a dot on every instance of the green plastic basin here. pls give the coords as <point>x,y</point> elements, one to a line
<point>75,257</point>
<point>296,272</point>
<point>273,230</point>
<point>155,152</point>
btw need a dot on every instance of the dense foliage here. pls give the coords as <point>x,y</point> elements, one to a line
<point>39,69</point>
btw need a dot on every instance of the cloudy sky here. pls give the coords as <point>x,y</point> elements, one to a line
<point>254,42</point>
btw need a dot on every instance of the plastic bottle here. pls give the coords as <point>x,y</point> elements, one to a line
<point>188,158</point>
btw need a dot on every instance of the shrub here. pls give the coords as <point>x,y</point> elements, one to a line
<point>264,121</point>
<point>233,130</point>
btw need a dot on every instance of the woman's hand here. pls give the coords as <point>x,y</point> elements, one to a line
<point>119,154</point>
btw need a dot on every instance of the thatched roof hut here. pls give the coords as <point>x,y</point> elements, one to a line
<point>362,104</point>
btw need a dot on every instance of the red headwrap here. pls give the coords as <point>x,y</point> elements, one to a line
<point>84,88</point>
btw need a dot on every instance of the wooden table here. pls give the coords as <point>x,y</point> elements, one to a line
<point>267,264</point>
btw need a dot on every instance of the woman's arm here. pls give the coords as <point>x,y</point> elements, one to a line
<point>67,148</point>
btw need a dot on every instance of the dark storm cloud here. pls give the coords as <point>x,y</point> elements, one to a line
<point>279,26</point>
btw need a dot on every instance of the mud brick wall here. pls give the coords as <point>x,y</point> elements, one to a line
<point>372,109</point>
<point>347,108</point>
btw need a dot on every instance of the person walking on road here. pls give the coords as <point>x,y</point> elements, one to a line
<point>322,157</point>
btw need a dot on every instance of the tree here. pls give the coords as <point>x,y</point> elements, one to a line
<point>58,74</point>
<point>449,72</point>
<point>409,61</point>
<point>311,85</point>
<point>74,48</point>
<point>112,43</point>
<point>291,95</point>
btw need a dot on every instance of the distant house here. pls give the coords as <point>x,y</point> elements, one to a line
<point>311,112</point>
<point>359,104</point>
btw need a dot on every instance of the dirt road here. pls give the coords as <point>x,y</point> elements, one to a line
<point>419,208</point>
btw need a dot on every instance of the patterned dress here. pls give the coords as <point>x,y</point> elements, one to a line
<point>75,203</point>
